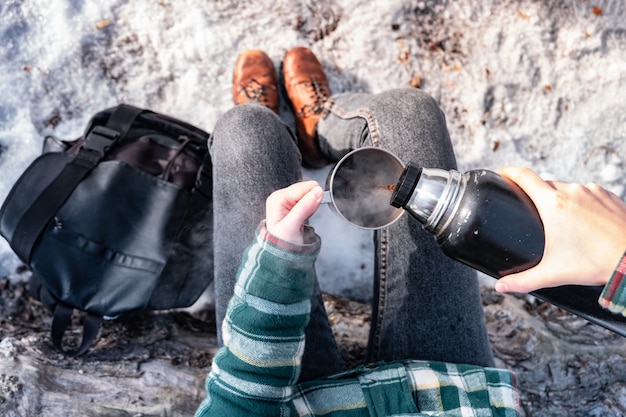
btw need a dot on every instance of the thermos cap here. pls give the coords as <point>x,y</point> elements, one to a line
<point>406,185</point>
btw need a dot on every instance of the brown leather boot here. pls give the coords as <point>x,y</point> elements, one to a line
<point>255,80</point>
<point>307,88</point>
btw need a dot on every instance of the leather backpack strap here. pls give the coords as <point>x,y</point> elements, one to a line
<point>98,141</point>
<point>60,323</point>
<point>122,119</point>
<point>204,179</point>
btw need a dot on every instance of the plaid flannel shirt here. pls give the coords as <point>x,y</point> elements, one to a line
<point>256,371</point>
<point>614,295</point>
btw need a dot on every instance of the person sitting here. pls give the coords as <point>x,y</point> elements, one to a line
<point>428,351</point>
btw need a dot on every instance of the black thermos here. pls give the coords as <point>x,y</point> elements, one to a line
<point>487,222</point>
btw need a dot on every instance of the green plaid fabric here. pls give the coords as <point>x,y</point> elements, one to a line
<point>255,373</point>
<point>411,388</point>
<point>463,390</point>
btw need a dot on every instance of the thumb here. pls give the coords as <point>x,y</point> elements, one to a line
<point>305,207</point>
<point>522,282</point>
<point>512,284</point>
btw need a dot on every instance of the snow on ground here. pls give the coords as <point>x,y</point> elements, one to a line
<point>525,82</point>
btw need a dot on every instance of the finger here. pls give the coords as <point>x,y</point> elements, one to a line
<point>557,185</point>
<point>606,196</point>
<point>619,203</point>
<point>615,198</point>
<point>286,198</point>
<point>531,183</point>
<point>296,191</point>
<point>306,206</point>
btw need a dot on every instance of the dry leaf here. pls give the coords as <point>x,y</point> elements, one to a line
<point>416,81</point>
<point>102,24</point>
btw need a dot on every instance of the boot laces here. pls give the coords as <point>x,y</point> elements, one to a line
<point>319,94</point>
<point>255,91</point>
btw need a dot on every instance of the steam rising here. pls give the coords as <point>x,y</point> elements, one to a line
<point>362,184</point>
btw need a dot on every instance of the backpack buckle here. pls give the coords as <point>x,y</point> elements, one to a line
<point>100,139</point>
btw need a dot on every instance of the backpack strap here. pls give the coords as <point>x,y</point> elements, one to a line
<point>204,179</point>
<point>122,118</point>
<point>98,141</point>
<point>60,323</point>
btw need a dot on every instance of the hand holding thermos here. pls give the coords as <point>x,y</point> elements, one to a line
<point>562,242</point>
<point>585,227</point>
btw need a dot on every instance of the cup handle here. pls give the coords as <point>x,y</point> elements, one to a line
<point>327,199</point>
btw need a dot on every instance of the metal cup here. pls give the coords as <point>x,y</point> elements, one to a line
<point>360,186</point>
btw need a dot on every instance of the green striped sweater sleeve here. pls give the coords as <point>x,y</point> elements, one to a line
<point>255,372</point>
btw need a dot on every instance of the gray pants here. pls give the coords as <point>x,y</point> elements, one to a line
<point>426,306</point>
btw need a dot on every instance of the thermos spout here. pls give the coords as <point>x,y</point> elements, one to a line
<point>428,194</point>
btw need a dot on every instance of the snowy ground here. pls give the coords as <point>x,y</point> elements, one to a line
<point>528,82</point>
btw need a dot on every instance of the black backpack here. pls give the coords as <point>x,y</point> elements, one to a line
<point>119,220</point>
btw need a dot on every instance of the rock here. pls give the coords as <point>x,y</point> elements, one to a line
<point>155,364</point>
<point>350,321</point>
<point>151,364</point>
<point>565,365</point>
